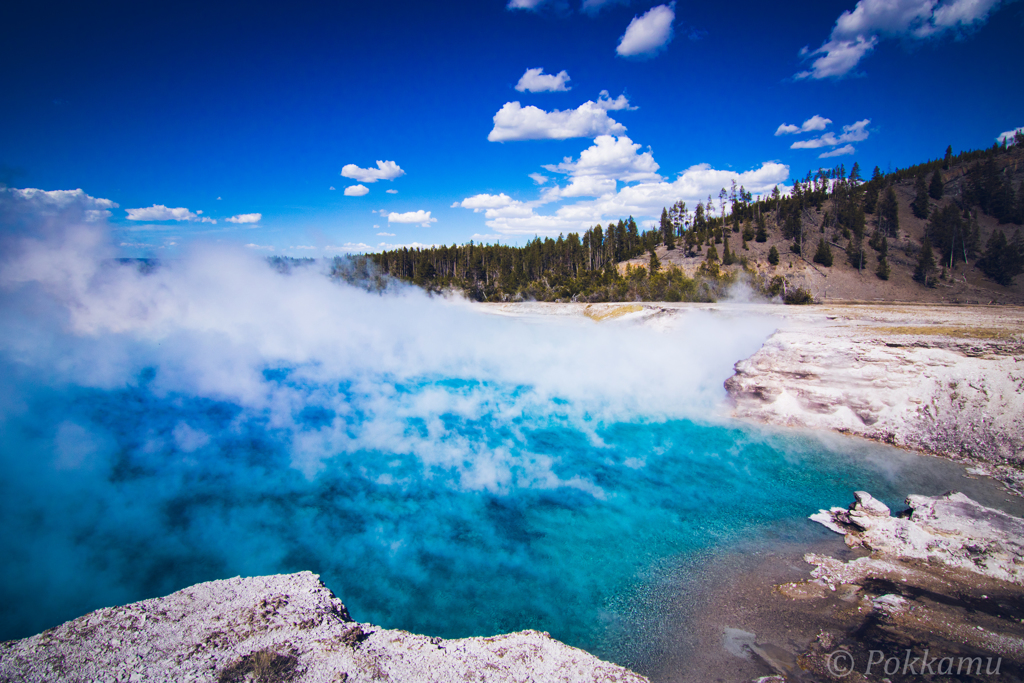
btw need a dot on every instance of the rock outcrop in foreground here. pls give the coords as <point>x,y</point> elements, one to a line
<point>944,580</point>
<point>279,628</point>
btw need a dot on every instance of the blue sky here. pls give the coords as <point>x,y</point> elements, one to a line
<point>247,114</point>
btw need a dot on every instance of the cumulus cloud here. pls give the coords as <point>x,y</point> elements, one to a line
<point>1009,137</point>
<point>159,212</point>
<point>857,32</point>
<point>644,199</point>
<point>246,218</point>
<point>516,122</point>
<point>648,34</point>
<point>484,201</point>
<point>608,160</point>
<point>814,123</point>
<point>386,170</point>
<point>385,234</point>
<point>838,152</point>
<point>391,191</point>
<point>605,101</point>
<point>260,247</point>
<point>47,201</point>
<point>535,80</point>
<point>538,178</point>
<point>420,217</point>
<point>356,190</point>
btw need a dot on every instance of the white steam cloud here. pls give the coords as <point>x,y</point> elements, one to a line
<point>155,416</point>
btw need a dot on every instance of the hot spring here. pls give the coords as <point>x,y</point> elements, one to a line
<point>445,471</point>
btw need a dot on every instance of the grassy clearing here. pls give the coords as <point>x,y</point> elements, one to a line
<point>611,313</point>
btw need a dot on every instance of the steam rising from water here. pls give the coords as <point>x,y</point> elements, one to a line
<point>447,471</point>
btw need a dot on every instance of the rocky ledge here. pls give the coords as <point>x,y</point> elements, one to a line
<point>947,381</point>
<point>279,628</point>
<point>943,583</point>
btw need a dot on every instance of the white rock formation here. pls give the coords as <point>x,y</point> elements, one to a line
<point>279,628</point>
<point>950,395</point>
<point>950,530</point>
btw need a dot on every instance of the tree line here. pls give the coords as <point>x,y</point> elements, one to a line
<point>584,267</point>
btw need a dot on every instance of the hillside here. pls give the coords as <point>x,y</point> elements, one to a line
<point>963,283</point>
<point>830,234</point>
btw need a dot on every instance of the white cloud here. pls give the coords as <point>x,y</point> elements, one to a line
<point>420,217</point>
<point>605,101</point>
<point>495,206</point>
<point>385,234</point>
<point>538,178</point>
<point>814,123</point>
<point>261,247</point>
<point>826,140</point>
<point>1009,136</point>
<point>595,6</point>
<point>93,208</point>
<point>485,201</point>
<point>159,212</point>
<point>857,32</point>
<point>535,80</point>
<point>855,132</point>
<point>525,4</point>
<point>838,57</point>
<point>348,247</point>
<point>608,160</point>
<point>391,191</point>
<point>645,199</point>
<point>246,218</point>
<point>515,122</point>
<point>648,34</point>
<point>838,152</point>
<point>329,188</point>
<point>356,190</point>
<point>93,215</point>
<point>386,170</point>
<point>411,245</point>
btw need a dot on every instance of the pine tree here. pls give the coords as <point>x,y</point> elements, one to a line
<point>1003,260</point>
<point>870,198</point>
<point>667,233</point>
<point>773,256</point>
<point>883,269</point>
<point>936,188</point>
<point>855,253</point>
<point>855,173</point>
<point>949,156</point>
<point>655,264</point>
<point>888,213</point>
<point>824,254</point>
<point>920,203</point>
<point>762,234</point>
<point>925,264</point>
<point>727,257</point>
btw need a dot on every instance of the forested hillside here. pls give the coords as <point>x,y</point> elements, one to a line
<point>944,230</point>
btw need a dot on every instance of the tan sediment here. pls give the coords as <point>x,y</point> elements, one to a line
<point>610,312</point>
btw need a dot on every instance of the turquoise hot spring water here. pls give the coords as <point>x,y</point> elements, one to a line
<point>444,470</point>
